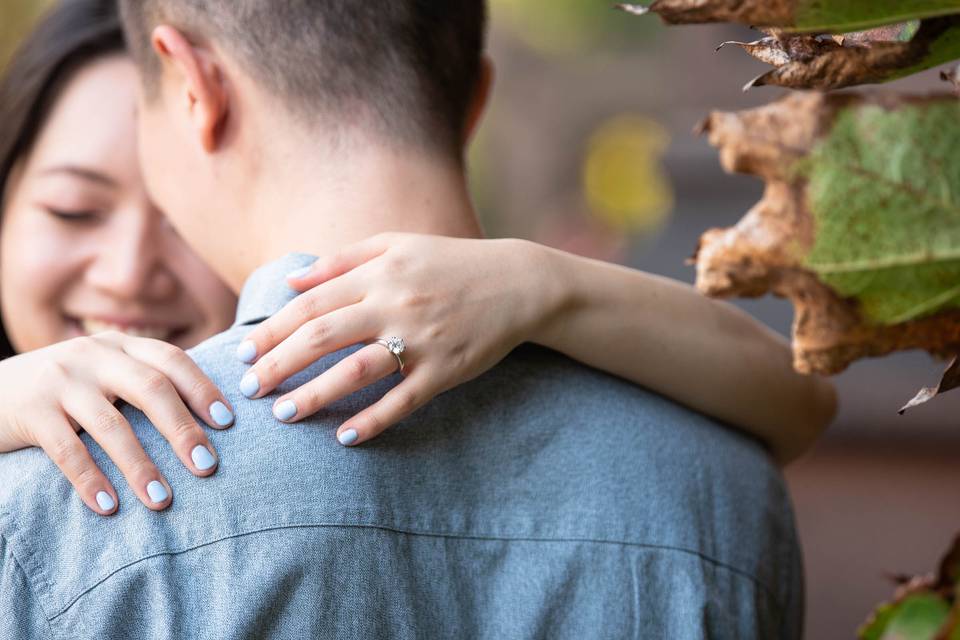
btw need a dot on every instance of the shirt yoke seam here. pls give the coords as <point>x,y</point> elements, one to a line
<point>436,534</point>
<point>26,580</point>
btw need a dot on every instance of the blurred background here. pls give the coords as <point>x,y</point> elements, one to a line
<point>589,146</point>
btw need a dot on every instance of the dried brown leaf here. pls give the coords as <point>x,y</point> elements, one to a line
<point>863,58</point>
<point>778,51</point>
<point>953,77</point>
<point>949,381</point>
<point>764,253</point>
<point>758,12</point>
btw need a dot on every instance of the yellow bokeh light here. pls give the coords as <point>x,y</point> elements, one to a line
<point>623,177</point>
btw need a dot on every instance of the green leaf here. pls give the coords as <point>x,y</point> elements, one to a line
<point>877,625</point>
<point>884,190</point>
<point>918,617</point>
<point>838,16</point>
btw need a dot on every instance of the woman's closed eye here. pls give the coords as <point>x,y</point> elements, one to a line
<point>74,216</point>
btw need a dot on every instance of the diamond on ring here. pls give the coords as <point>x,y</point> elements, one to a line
<point>395,345</point>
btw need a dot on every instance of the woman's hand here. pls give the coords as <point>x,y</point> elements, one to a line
<point>460,305</point>
<point>48,395</point>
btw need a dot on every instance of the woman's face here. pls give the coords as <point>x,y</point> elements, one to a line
<point>82,248</point>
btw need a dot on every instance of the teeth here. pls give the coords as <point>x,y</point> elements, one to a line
<point>91,326</point>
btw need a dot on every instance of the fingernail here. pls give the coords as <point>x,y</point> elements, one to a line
<point>285,410</point>
<point>348,437</point>
<point>247,351</point>
<point>221,414</point>
<point>249,385</point>
<point>202,458</point>
<point>105,500</point>
<point>157,492</point>
<point>299,273</point>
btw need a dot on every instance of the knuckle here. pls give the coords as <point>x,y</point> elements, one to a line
<point>155,383</point>
<point>358,368</point>
<point>139,466</point>
<point>415,299</point>
<point>52,375</point>
<point>110,336</point>
<point>86,476</point>
<point>396,262</point>
<point>200,388</point>
<point>319,332</point>
<point>374,423</point>
<point>265,334</point>
<point>170,355</point>
<point>184,427</point>
<point>268,370</point>
<point>84,344</point>
<point>406,401</point>
<point>65,453</point>
<point>107,422</point>
<point>306,307</point>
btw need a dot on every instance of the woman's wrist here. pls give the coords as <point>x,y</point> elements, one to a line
<point>554,290</point>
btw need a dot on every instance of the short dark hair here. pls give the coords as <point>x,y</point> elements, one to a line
<point>72,34</point>
<point>412,64</point>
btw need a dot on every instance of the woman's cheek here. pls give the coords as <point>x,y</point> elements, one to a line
<point>37,264</point>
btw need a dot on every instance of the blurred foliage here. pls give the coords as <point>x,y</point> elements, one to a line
<point>16,18</point>
<point>557,27</point>
<point>624,182</point>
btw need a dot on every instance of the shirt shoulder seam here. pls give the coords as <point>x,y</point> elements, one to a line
<point>436,534</point>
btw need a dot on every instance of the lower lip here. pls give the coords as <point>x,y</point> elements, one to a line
<point>75,330</point>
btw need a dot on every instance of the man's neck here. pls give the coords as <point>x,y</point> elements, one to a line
<point>320,205</point>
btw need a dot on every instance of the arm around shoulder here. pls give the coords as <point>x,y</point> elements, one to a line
<point>667,337</point>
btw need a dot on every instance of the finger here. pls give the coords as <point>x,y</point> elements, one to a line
<point>91,410</point>
<point>152,392</point>
<point>190,382</point>
<point>344,260</point>
<point>67,451</point>
<point>309,343</point>
<point>315,303</point>
<point>354,372</point>
<point>394,406</point>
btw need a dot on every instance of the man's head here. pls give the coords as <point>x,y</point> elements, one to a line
<point>223,79</point>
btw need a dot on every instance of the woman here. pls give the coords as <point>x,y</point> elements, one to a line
<point>82,250</point>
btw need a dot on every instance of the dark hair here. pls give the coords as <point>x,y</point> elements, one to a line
<point>411,64</point>
<point>72,34</point>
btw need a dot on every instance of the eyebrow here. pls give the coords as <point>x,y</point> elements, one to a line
<point>84,174</point>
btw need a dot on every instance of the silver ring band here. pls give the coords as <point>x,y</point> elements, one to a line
<point>394,345</point>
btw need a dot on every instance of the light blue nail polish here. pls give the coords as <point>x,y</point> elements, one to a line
<point>299,273</point>
<point>285,410</point>
<point>105,500</point>
<point>157,492</point>
<point>247,351</point>
<point>202,458</point>
<point>221,414</point>
<point>249,385</point>
<point>348,437</point>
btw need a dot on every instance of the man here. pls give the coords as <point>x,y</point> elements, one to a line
<point>543,499</point>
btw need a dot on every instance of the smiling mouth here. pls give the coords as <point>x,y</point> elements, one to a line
<point>90,326</point>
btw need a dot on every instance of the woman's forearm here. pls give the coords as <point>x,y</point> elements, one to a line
<point>705,354</point>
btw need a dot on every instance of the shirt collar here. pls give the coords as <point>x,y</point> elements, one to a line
<point>266,292</point>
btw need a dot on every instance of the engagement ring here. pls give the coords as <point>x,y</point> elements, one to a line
<point>394,345</point>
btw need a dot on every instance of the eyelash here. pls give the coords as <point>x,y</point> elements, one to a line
<point>73,216</point>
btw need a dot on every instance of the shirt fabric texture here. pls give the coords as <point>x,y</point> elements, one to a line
<point>544,499</point>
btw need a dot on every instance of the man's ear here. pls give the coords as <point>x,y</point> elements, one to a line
<point>198,84</point>
<point>481,96</point>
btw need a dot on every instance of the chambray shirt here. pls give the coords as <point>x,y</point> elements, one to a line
<point>544,499</point>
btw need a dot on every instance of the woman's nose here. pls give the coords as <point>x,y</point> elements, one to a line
<point>129,265</point>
